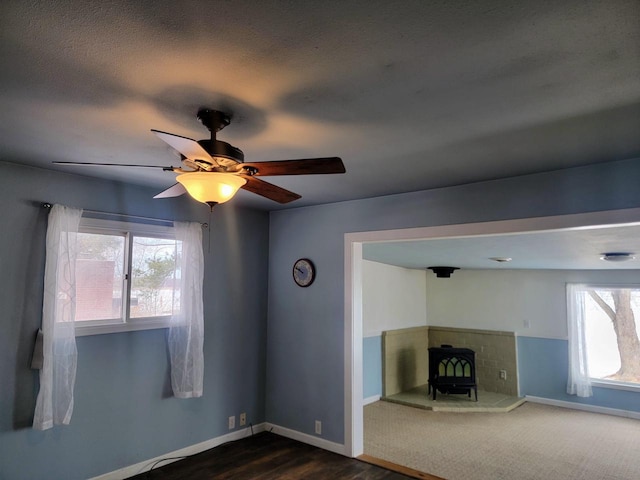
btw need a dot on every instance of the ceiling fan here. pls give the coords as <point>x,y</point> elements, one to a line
<point>214,170</point>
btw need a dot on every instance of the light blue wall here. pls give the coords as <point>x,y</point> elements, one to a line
<point>124,412</point>
<point>305,338</point>
<point>543,367</point>
<point>371,366</point>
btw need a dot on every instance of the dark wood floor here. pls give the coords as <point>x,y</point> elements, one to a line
<point>267,456</point>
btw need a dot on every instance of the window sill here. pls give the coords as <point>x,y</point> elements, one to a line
<point>132,326</point>
<point>631,387</point>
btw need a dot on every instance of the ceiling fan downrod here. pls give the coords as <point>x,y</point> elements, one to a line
<point>213,120</point>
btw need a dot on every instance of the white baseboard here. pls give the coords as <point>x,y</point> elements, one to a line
<point>308,439</point>
<point>584,407</point>
<point>146,465</point>
<point>371,399</point>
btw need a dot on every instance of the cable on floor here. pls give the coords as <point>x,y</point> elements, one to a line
<point>148,475</point>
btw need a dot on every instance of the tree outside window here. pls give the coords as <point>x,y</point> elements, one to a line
<point>154,273</point>
<point>612,333</point>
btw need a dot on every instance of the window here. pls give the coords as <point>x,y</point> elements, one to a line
<point>127,276</point>
<point>611,332</point>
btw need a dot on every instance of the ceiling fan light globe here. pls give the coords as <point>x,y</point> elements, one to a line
<point>211,187</point>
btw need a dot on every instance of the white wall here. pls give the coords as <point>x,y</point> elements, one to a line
<point>392,298</point>
<point>528,302</point>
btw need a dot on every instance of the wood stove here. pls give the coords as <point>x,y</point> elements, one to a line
<point>452,370</point>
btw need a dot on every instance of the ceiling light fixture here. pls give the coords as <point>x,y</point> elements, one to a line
<point>617,256</point>
<point>501,259</point>
<point>443,272</point>
<point>211,187</point>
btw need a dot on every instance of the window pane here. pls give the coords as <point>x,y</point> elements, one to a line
<point>612,329</point>
<point>155,277</point>
<point>99,276</point>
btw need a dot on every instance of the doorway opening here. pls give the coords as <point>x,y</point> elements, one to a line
<point>353,261</point>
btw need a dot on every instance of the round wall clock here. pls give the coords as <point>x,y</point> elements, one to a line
<point>304,272</point>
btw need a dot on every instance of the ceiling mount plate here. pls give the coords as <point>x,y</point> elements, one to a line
<point>213,120</point>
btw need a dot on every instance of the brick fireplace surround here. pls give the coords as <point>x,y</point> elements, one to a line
<point>405,357</point>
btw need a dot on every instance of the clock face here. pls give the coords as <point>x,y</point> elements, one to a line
<point>304,272</point>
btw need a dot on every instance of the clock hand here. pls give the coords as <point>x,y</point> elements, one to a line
<point>298,269</point>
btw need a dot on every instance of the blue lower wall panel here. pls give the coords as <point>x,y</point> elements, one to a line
<point>543,367</point>
<point>372,366</point>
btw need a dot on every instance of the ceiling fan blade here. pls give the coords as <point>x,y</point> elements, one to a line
<point>303,166</point>
<point>268,190</point>
<point>186,146</point>
<point>174,190</point>
<point>89,164</point>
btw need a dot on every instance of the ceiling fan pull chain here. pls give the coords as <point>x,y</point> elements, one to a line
<point>209,228</point>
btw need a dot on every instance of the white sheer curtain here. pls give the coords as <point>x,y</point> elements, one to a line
<point>54,405</point>
<point>579,382</point>
<point>186,335</point>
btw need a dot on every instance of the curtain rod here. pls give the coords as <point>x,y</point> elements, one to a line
<point>49,205</point>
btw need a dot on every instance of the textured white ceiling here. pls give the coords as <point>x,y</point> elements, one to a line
<point>574,249</point>
<point>412,95</point>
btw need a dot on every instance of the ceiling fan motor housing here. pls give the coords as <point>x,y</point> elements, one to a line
<point>220,149</point>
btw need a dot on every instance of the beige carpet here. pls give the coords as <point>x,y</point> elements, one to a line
<point>531,442</point>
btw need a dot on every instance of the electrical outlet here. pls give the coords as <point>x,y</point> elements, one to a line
<point>243,419</point>
<point>503,374</point>
<point>318,427</point>
<point>232,422</point>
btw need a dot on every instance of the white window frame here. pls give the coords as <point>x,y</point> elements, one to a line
<point>613,384</point>
<point>125,323</point>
